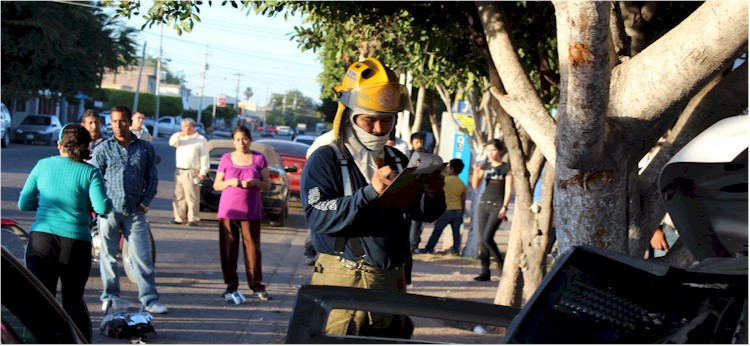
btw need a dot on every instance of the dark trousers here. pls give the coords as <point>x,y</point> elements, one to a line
<point>51,258</point>
<point>230,232</point>
<point>488,225</point>
<point>309,249</point>
<point>415,233</point>
<point>449,217</point>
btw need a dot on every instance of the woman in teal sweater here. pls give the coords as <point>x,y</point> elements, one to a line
<point>63,190</point>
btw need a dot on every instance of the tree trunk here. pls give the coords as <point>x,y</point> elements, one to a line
<point>523,268</point>
<point>419,109</point>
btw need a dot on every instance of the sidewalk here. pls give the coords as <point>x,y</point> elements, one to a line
<point>190,282</point>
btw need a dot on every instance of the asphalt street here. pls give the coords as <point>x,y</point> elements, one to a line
<point>189,274</point>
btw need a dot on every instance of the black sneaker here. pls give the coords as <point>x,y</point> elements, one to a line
<point>193,224</point>
<point>261,294</point>
<point>175,222</point>
<point>483,277</point>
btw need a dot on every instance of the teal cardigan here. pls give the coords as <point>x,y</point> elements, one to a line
<point>64,193</point>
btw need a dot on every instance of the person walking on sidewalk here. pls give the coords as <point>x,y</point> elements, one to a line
<point>63,190</point>
<point>191,159</point>
<point>455,204</point>
<point>241,176</point>
<point>493,204</point>
<point>129,169</point>
<point>362,244</point>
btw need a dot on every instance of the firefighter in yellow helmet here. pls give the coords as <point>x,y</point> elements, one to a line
<point>362,243</point>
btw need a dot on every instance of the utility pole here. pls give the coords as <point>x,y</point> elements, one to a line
<point>138,85</point>
<point>237,93</point>
<point>203,86</point>
<point>158,83</point>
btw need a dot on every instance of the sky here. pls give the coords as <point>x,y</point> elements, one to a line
<point>254,48</point>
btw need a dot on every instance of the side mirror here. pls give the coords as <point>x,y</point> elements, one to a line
<point>290,169</point>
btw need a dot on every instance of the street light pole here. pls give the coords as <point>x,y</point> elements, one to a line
<point>203,86</point>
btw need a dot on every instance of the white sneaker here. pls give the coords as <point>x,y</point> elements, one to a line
<point>118,304</point>
<point>157,308</point>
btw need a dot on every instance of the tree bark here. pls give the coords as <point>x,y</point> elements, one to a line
<point>420,108</point>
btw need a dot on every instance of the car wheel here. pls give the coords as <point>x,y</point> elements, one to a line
<point>280,220</point>
<point>6,140</point>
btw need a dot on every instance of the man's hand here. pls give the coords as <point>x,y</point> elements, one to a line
<point>432,184</point>
<point>382,178</point>
<point>142,207</point>
<point>658,241</point>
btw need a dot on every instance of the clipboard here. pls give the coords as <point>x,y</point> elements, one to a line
<point>404,189</point>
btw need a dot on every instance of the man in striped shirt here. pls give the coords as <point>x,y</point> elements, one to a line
<point>129,169</point>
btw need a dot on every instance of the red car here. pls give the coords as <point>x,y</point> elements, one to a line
<point>293,154</point>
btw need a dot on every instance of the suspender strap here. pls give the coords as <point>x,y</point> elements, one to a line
<point>341,242</point>
<point>344,169</point>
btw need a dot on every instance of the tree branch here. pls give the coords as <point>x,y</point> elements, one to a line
<point>692,64</point>
<point>522,101</point>
<point>582,127</point>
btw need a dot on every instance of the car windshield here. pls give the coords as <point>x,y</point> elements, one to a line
<point>289,148</point>
<point>32,120</point>
<point>305,140</point>
<point>216,153</point>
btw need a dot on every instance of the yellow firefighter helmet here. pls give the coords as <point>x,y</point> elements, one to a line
<point>371,86</point>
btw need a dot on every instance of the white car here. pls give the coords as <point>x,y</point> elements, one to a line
<point>5,123</point>
<point>284,130</point>
<point>40,128</point>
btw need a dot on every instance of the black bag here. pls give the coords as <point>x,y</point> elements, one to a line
<point>126,325</point>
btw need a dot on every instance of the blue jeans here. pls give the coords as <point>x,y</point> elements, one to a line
<point>135,229</point>
<point>454,218</point>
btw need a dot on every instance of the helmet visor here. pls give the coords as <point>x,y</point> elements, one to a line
<point>383,97</point>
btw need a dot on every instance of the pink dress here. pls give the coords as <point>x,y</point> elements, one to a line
<point>237,203</point>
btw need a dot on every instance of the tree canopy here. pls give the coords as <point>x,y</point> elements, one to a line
<point>43,51</point>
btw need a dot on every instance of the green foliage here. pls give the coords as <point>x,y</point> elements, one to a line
<point>168,105</point>
<point>58,47</point>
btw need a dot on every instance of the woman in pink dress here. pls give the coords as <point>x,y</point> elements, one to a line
<point>241,175</point>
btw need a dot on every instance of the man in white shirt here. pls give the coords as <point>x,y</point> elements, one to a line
<point>191,159</point>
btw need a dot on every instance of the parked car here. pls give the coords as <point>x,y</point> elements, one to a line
<point>39,128</point>
<point>293,154</point>
<point>5,124</point>
<point>106,123</point>
<point>306,139</point>
<point>267,133</point>
<point>268,128</point>
<point>275,201</point>
<point>31,315</point>
<point>284,130</point>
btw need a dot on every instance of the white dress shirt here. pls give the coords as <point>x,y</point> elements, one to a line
<point>191,153</point>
